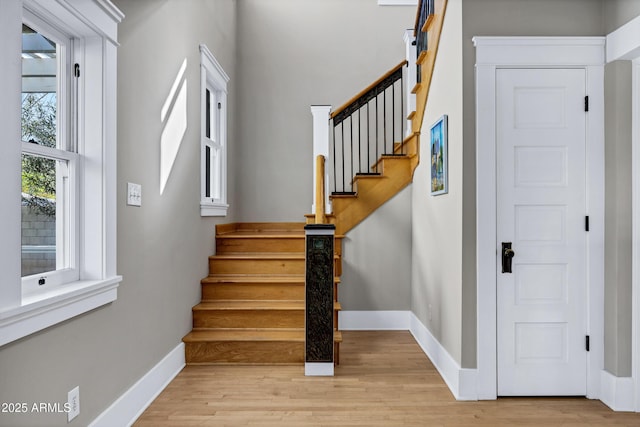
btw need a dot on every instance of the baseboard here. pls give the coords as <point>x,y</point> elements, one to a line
<point>616,392</point>
<point>128,407</point>
<point>461,382</point>
<point>374,320</point>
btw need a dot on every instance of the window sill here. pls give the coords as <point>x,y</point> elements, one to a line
<point>63,303</point>
<point>213,209</point>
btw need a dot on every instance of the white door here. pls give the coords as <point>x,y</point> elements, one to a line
<point>541,209</point>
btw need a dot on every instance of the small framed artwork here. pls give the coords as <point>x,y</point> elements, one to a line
<point>439,161</point>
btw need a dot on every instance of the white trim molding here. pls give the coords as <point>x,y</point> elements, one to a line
<point>318,369</point>
<point>461,382</point>
<point>616,392</point>
<point>397,2</point>
<point>624,44</point>
<point>320,114</point>
<point>635,233</point>
<point>492,53</point>
<point>128,407</point>
<point>374,320</point>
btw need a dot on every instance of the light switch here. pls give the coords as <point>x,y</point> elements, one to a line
<point>134,194</point>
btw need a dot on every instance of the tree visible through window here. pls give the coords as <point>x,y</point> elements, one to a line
<point>44,169</point>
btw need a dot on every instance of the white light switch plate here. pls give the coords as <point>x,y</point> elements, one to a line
<point>134,194</point>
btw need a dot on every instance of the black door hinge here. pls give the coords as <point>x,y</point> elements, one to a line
<point>586,103</point>
<point>76,70</point>
<point>219,105</point>
<point>587,342</point>
<point>586,223</point>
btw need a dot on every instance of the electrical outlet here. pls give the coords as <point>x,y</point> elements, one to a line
<point>73,400</point>
<point>134,194</point>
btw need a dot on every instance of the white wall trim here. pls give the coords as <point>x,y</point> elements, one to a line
<point>536,52</point>
<point>374,320</point>
<point>617,392</point>
<point>128,407</point>
<point>635,233</point>
<point>397,2</point>
<point>623,42</point>
<point>461,382</point>
<point>312,369</point>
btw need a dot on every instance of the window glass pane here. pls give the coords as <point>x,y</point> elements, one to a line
<point>41,178</point>
<point>39,88</point>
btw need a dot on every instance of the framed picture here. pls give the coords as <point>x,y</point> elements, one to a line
<point>439,161</point>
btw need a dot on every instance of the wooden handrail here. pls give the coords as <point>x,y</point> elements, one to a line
<point>367,89</point>
<point>320,215</point>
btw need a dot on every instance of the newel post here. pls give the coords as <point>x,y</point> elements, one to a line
<point>411,56</point>
<point>319,300</point>
<point>320,115</point>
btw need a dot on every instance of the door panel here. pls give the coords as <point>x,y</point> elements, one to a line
<point>540,209</point>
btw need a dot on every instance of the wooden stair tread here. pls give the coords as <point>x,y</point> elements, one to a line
<point>254,305</point>
<point>259,227</point>
<point>269,234</point>
<point>205,335</point>
<point>261,255</point>
<point>257,278</point>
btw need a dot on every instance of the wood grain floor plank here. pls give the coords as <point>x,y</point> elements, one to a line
<point>383,379</point>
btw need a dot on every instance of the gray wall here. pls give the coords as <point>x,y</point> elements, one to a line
<point>618,12</point>
<point>437,235</point>
<point>162,246</point>
<point>297,53</point>
<point>376,269</point>
<point>617,338</point>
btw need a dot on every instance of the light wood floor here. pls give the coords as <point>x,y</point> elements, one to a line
<point>384,380</point>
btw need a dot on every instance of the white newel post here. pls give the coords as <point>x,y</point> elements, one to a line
<point>320,115</point>
<point>410,50</point>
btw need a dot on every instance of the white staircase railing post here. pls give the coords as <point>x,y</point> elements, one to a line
<point>320,115</point>
<point>410,50</point>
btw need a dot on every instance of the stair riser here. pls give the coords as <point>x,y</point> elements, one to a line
<point>256,266</point>
<point>229,244</point>
<point>248,318</point>
<point>256,352</point>
<point>253,291</point>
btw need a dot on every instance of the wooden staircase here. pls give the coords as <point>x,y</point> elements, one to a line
<point>252,308</point>
<point>391,173</point>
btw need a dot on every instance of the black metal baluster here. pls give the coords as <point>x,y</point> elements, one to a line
<point>335,177</point>
<point>351,151</point>
<point>359,141</point>
<point>384,121</point>
<point>368,138</point>
<point>403,119</point>
<point>342,141</point>
<point>393,118</point>
<point>377,137</point>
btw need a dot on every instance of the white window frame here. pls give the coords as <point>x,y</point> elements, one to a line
<point>94,25</point>
<point>67,204</point>
<point>213,78</point>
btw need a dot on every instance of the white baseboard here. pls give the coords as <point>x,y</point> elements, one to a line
<point>617,392</point>
<point>461,382</point>
<point>128,407</point>
<point>374,320</point>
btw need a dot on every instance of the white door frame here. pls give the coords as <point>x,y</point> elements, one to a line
<point>623,44</point>
<point>493,53</point>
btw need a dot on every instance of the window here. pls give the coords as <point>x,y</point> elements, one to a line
<point>49,159</point>
<point>213,200</point>
<point>57,168</point>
